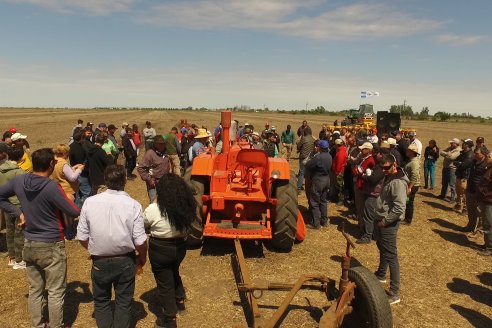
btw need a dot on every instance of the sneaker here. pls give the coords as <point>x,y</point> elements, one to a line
<point>393,299</point>
<point>19,265</point>
<point>381,280</point>
<point>11,262</point>
<point>363,241</point>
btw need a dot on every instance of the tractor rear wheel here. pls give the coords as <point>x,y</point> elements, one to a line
<point>371,308</point>
<point>197,185</point>
<point>284,225</point>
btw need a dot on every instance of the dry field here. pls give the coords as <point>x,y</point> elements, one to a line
<point>444,282</point>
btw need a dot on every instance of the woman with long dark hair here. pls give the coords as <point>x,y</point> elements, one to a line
<point>169,220</point>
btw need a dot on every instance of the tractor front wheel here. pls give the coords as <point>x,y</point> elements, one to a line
<point>371,308</point>
<point>197,185</point>
<point>284,224</point>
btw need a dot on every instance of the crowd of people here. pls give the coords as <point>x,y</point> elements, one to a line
<point>52,195</point>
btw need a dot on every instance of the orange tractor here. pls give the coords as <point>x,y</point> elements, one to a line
<point>241,193</point>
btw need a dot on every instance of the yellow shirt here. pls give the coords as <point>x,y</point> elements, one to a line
<point>25,163</point>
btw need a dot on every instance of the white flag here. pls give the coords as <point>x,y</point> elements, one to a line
<point>367,94</point>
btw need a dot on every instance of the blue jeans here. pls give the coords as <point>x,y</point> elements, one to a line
<point>120,273</point>
<point>300,179</point>
<point>448,180</point>
<point>429,173</point>
<point>83,192</point>
<point>46,267</point>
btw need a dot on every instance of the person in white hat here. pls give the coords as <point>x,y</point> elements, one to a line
<point>413,140</point>
<point>412,170</point>
<point>449,169</point>
<point>395,152</point>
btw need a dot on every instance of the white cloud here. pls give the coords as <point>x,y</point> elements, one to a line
<point>460,40</point>
<point>95,7</point>
<point>357,21</point>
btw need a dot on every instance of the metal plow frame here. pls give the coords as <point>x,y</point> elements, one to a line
<point>333,317</point>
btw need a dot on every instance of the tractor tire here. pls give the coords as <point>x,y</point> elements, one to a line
<point>371,308</point>
<point>197,185</point>
<point>284,225</point>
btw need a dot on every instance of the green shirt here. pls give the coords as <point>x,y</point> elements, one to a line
<point>287,137</point>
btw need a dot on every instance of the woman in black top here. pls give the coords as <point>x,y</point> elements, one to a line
<point>431,154</point>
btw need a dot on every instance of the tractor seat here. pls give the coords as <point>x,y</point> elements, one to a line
<point>254,158</point>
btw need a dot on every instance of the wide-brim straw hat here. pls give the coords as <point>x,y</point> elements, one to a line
<point>202,133</point>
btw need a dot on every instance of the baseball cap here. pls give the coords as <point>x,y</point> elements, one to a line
<point>323,144</point>
<point>111,127</point>
<point>455,141</point>
<point>102,125</point>
<point>125,124</point>
<point>366,145</point>
<point>395,133</point>
<point>17,136</point>
<point>412,134</point>
<point>13,130</point>
<point>336,132</point>
<point>273,128</point>
<point>468,142</point>
<point>338,141</point>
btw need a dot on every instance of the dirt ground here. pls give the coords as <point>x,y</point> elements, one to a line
<point>444,283</point>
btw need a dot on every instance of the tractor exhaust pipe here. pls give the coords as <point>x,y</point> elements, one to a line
<point>225,121</point>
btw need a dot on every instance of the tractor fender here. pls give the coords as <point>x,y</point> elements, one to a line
<point>202,165</point>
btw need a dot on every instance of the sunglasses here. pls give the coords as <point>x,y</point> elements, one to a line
<point>386,167</point>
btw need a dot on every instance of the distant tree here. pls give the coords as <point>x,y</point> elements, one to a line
<point>442,116</point>
<point>403,110</point>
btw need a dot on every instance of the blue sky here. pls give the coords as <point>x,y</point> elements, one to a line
<point>223,53</point>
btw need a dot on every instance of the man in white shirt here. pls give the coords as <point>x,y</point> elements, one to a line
<point>111,228</point>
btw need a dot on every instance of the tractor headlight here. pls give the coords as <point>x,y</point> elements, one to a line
<point>275,174</point>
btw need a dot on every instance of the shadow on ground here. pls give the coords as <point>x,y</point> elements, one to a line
<point>77,292</point>
<point>476,292</point>
<point>446,224</point>
<point>485,278</point>
<point>457,238</point>
<point>221,247</point>
<point>439,206</point>
<point>476,319</point>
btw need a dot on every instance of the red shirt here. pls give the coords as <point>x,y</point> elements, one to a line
<point>340,160</point>
<point>359,170</point>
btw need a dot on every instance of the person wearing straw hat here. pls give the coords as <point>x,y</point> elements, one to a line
<point>199,146</point>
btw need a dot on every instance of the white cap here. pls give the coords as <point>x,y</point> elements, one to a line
<point>392,141</point>
<point>17,136</point>
<point>366,145</point>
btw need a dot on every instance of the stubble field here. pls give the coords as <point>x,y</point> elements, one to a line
<point>444,283</point>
